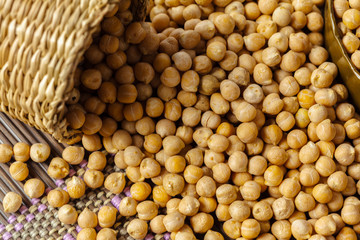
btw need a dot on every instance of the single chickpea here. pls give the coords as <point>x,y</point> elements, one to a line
<point>301,229</point>
<point>254,42</point>
<point>325,226</point>
<point>271,134</point>
<point>11,202</point>
<point>115,182</point>
<point>216,51</point>
<point>127,207</point>
<point>21,152</point>
<point>75,187</point>
<point>67,214</point>
<point>153,143</point>
<point>304,202</point>
<point>86,234</point>
<point>226,194</point>
<point>253,94</point>
<point>97,161</point>
<point>106,233</point>
<point>250,228</point>
<point>174,221</point>
<point>57,198</point>
<point>277,155</point>
<point>296,139</point>
<point>273,175</point>
<point>290,187</point>
<point>34,188</point>
<point>191,116</point>
<point>319,211</point>
<point>201,222</point>
<point>172,145</point>
<point>189,206</point>
<point>121,139</point>
<point>58,168</point>
<point>172,110</point>
<point>281,229</point>
<point>322,193</point>
<point>195,157</point>
<point>185,133</point>
<point>147,210</point>
<point>106,216</point>
<point>93,178</point>
<point>345,154</point>
<point>250,190</point>
<point>232,228</point>
<point>309,176</point>
<point>173,184</point>
<point>39,152</point>
<point>189,39</point>
<point>73,154</point>
<point>338,181</point>
<point>156,224</point>
<point>19,171</point>
<point>91,78</point>
<point>206,187</point>
<point>283,208</point>
<point>137,228</point>
<point>352,128</point>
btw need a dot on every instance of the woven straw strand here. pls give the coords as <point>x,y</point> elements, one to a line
<point>42,42</point>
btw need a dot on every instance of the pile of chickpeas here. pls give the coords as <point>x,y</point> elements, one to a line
<point>348,11</point>
<point>19,171</point>
<point>215,111</point>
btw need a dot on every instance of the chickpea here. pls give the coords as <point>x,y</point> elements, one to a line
<point>11,202</point>
<point>174,221</point>
<point>290,187</point>
<point>58,168</point>
<point>39,152</point>
<point>189,206</point>
<point>173,184</point>
<point>57,198</point>
<point>67,214</point>
<point>93,178</point>
<point>19,171</point>
<point>273,175</point>
<point>201,222</point>
<point>301,229</point>
<point>91,78</point>
<point>250,228</point>
<point>338,181</point>
<point>281,229</point>
<point>137,228</point>
<point>107,216</point>
<point>21,152</point>
<point>262,211</point>
<point>34,188</point>
<point>304,202</point>
<point>206,187</point>
<point>156,224</point>
<point>73,155</point>
<point>86,234</point>
<point>127,207</point>
<point>345,154</point>
<point>115,182</point>
<point>152,143</point>
<point>172,145</point>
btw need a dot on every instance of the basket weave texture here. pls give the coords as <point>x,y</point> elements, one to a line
<point>41,44</point>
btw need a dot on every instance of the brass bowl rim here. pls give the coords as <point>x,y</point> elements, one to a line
<point>337,34</point>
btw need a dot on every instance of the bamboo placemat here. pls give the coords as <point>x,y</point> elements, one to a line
<point>36,219</point>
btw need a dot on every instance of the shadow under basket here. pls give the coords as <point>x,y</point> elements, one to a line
<point>41,44</point>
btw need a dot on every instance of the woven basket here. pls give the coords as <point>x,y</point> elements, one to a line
<point>41,44</point>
